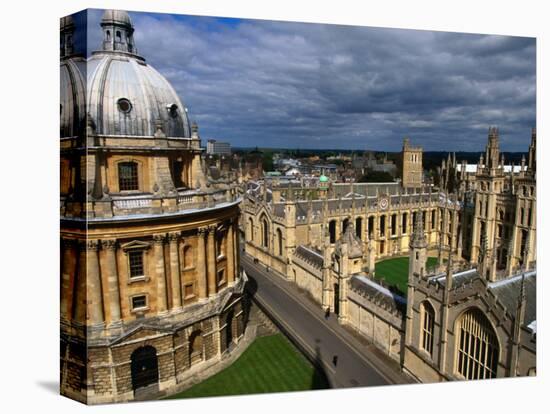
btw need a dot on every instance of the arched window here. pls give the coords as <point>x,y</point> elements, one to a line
<point>371,227</point>
<point>250,229</point>
<point>108,35</point>
<point>359,227</point>
<point>128,176</point>
<point>345,224</point>
<point>118,36</point>
<point>332,231</point>
<point>195,347</point>
<point>404,223</point>
<point>279,242</point>
<point>265,233</point>
<point>427,315</point>
<point>477,347</point>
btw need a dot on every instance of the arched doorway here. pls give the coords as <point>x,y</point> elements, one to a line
<point>145,372</point>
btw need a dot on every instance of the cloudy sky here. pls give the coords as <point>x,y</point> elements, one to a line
<point>301,85</point>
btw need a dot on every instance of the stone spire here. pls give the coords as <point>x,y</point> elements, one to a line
<point>418,239</point>
<point>484,255</point>
<point>492,150</point>
<point>532,163</point>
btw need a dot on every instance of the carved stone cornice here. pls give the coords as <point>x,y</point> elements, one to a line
<point>159,238</point>
<point>110,244</point>
<point>173,237</point>
<point>92,245</point>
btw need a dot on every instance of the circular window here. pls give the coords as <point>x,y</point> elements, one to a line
<point>173,109</point>
<point>124,105</point>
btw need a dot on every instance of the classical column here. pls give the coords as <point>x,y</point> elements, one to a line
<point>175,271</point>
<point>230,255</point>
<point>67,278</point>
<point>211,258</point>
<point>93,284</point>
<point>160,273</point>
<point>236,250</point>
<point>201,262</point>
<point>112,279</point>
<point>80,288</point>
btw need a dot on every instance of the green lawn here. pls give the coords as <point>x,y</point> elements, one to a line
<point>270,364</point>
<point>396,271</point>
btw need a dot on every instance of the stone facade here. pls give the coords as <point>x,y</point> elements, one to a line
<point>412,165</point>
<point>151,287</point>
<point>328,241</point>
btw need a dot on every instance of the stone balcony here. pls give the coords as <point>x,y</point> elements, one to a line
<point>147,204</point>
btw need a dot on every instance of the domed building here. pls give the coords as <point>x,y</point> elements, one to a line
<point>151,291</point>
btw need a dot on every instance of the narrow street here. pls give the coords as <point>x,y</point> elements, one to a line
<point>356,363</point>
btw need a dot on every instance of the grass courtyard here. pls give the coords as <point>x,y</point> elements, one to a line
<point>395,272</point>
<point>270,364</point>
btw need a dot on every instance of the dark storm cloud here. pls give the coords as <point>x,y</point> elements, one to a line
<point>329,86</point>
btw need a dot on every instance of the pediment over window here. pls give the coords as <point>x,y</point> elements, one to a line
<point>135,245</point>
<point>140,333</point>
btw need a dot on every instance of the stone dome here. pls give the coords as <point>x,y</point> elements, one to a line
<point>72,97</point>
<point>126,96</point>
<point>116,17</point>
<point>121,94</point>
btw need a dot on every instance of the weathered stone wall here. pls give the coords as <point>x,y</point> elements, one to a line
<point>109,368</point>
<point>381,326</point>
<point>309,279</point>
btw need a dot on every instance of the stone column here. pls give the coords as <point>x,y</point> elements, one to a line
<point>67,278</point>
<point>236,249</point>
<point>175,271</point>
<point>80,291</point>
<point>160,272</point>
<point>201,262</point>
<point>93,284</point>
<point>211,259</point>
<point>230,255</point>
<point>112,279</point>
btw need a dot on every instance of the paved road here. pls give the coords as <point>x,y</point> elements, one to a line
<point>357,364</point>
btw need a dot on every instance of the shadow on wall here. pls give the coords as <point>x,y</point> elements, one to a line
<point>319,380</point>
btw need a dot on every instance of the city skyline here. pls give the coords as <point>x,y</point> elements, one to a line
<point>317,86</point>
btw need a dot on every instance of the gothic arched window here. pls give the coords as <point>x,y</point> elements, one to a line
<point>279,242</point>
<point>359,227</point>
<point>265,233</point>
<point>477,346</point>
<point>332,231</point>
<point>427,315</point>
<point>250,229</point>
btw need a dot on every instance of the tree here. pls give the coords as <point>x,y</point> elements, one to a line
<point>376,177</point>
